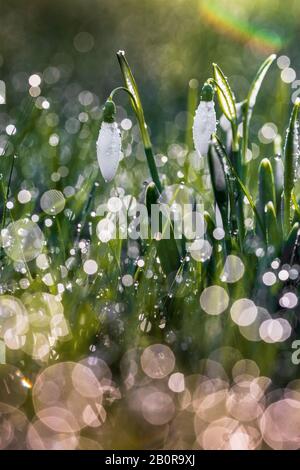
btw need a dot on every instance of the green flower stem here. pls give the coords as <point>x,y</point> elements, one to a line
<point>146,140</point>
<point>132,90</point>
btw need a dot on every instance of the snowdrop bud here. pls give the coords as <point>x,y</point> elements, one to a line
<point>205,121</point>
<point>109,143</point>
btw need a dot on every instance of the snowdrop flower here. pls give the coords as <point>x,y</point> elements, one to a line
<point>109,143</point>
<point>205,121</point>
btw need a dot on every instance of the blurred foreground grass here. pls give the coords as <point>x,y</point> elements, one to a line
<point>77,296</point>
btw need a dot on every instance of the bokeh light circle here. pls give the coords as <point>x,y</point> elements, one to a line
<point>214,300</point>
<point>22,240</point>
<point>157,361</point>
<point>52,202</point>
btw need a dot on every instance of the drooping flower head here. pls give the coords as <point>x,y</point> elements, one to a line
<point>109,143</point>
<point>205,121</point>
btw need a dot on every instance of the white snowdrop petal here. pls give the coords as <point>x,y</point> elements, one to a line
<point>205,124</point>
<point>109,149</point>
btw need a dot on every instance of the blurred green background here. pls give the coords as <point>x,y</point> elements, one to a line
<point>167,44</point>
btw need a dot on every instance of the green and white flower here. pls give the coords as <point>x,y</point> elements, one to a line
<point>205,121</point>
<point>109,143</point>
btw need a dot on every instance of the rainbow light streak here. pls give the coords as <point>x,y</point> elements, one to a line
<point>243,31</point>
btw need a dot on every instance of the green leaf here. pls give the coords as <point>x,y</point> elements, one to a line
<point>257,82</point>
<point>272,227</point>
<point>266,186</point>
<point>219,183</point>
<point>167,249</point>
<point>251,100</point>
<point>291,154</point>
<point>296,208</point>
<point>291,244</point>
<point>238,181</point>
<point>278,170</point>
<point>216,261</point>
<point>225,94</point>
